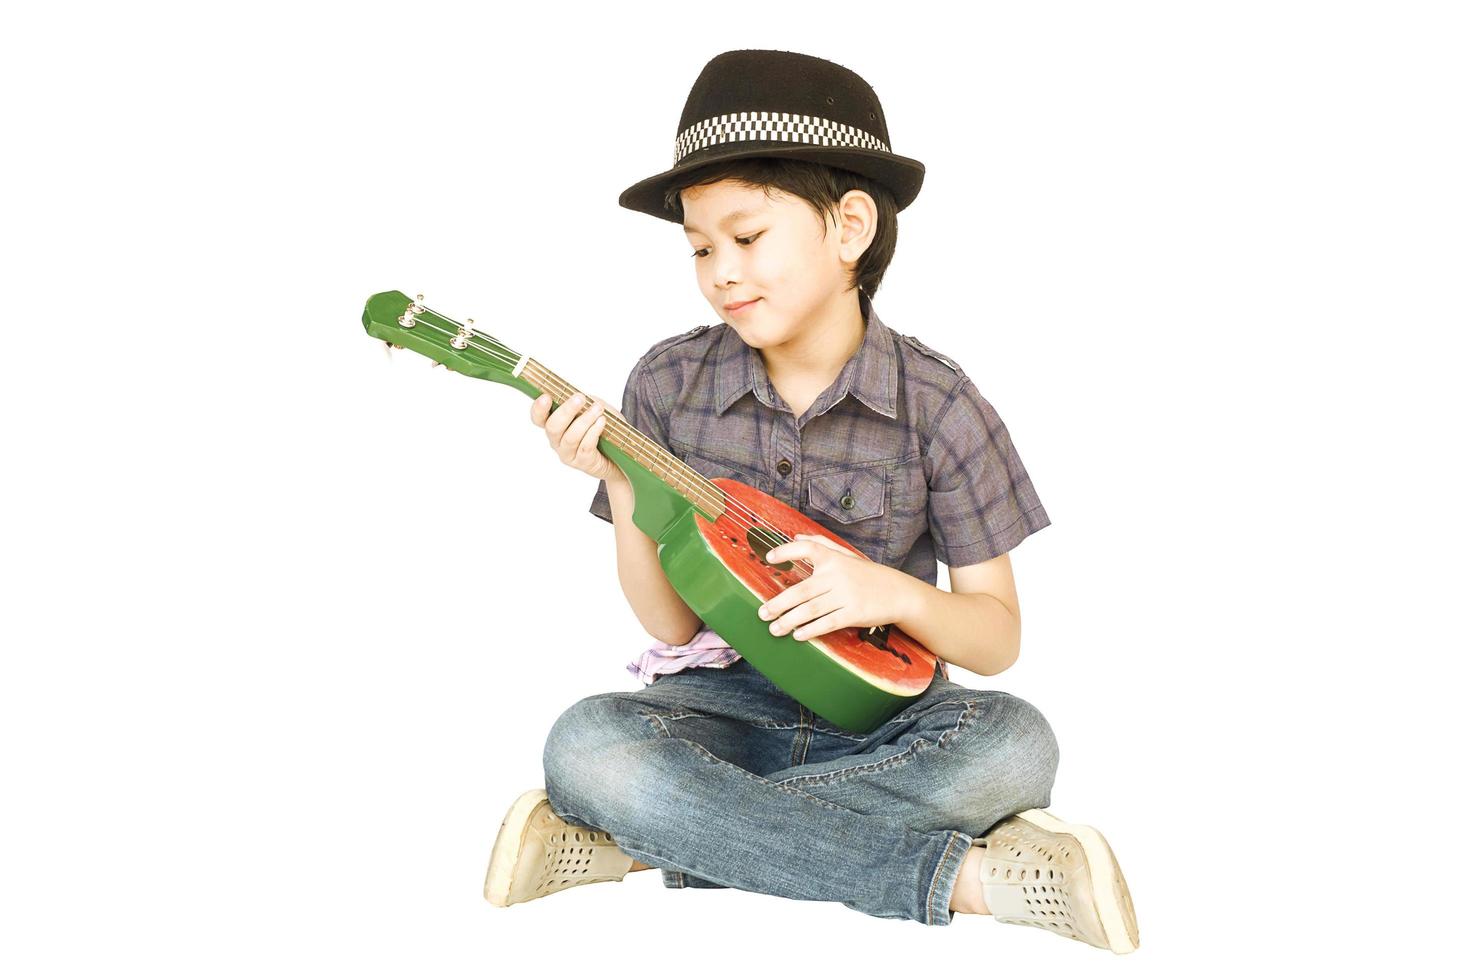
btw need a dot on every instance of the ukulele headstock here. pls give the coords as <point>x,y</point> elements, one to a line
<point>399,321</point>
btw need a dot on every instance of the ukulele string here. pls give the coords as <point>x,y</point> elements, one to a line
<point>733,505</point>
<point>506,361</point>
<point>736,508</point>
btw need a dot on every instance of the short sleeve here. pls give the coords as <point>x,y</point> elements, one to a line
<point>981,500</point>
<point>641,408</point>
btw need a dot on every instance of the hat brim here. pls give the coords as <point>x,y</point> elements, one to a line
<point>902,175</point>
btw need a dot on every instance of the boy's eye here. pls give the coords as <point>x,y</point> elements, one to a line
<point>741,241</point>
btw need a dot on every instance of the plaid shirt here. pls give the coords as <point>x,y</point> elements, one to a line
<point>900,456</point>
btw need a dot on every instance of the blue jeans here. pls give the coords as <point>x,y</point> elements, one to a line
<point>719,779</point>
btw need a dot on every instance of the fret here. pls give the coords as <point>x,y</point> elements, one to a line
<point>677,474</point>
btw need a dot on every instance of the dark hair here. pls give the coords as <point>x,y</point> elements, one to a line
<point>821,187</point>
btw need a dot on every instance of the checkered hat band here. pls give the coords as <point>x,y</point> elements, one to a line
<point>788,127</point>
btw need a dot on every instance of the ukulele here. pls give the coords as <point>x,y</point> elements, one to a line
<point>713,536</point>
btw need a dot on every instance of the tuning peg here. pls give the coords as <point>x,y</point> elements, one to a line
<point>461,340</point>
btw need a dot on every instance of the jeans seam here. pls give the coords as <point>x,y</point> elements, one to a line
<point>838,732</point>
<point>799,750</point>
<point>662,730</point>
<point>658,720</point>
<point>757,722</point>
<point>893,760</point>
<point>683,712</point>
<point>929,898</point>
<point>971,707</point>
<point>860,737</point>
<point>929,911</point>
<point>753,777</point>
<point>930,707</point>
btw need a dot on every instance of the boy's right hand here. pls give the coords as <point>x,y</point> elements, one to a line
<point>573,436</point>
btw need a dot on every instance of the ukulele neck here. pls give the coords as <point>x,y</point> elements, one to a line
<point>644,451</point>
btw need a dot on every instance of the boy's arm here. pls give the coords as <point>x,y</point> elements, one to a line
<point>658,607</point>
<point>977,625</point>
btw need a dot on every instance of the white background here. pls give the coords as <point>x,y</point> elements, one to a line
<point>286,620</point>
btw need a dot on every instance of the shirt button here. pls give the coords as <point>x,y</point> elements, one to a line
<point>847,501</point>
<point>784,467</point>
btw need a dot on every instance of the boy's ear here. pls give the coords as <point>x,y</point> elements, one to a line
<point>858,220</point>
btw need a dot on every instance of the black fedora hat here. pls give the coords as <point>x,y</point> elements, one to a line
<point>753,103</point>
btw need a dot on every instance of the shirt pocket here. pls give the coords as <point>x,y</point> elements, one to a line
<point>854,505</point>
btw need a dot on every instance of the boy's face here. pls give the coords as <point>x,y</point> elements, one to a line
<point>750,246</point>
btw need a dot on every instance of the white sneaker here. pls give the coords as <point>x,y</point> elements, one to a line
<point>1038,871</point>
<point>537,853</point>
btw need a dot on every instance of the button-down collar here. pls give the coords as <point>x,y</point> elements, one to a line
<point>871,374</point>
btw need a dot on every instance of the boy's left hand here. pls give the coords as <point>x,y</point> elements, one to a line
<point>844,589</point>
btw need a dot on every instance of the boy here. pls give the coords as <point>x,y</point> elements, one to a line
<point>788,193</point>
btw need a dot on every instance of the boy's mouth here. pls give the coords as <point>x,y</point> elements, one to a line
<point>739,307</point>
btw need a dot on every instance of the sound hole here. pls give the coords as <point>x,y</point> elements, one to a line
<point>763,540</point>
<point>879,636</point>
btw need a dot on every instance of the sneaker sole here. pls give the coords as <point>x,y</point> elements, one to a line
<point>508,843</point>
<point>1115,906</point>
<point>571,856</point>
